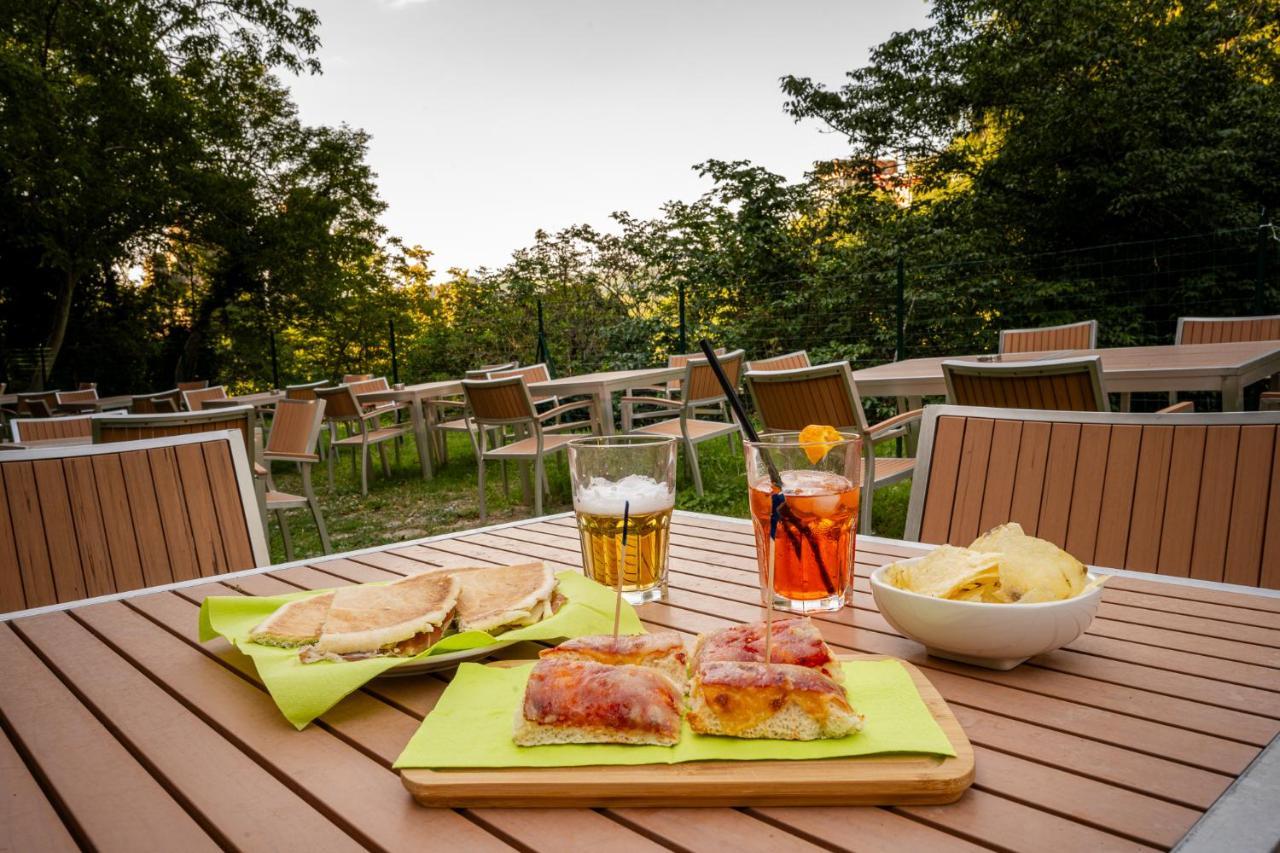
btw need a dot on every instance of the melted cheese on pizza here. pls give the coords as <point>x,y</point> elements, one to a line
<point>795,641</point>
<point>637,649</point>
<point>743,695</point>
<point>588,694</point>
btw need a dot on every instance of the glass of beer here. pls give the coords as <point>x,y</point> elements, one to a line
<point>631,476</point>
<point>813,540</point>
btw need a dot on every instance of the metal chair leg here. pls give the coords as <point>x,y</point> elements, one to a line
<point>481,471</point>
<point>691,458</point>
<point>382,454</point>
<point>325,545</point>
<point>364,470</point>
<point>284,534</point>
<point>538,476</point>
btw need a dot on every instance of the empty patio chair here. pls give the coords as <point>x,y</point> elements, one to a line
<point>89,520</point>
<point>193,400</point>
<point>506,403</point>
<point>1225,330</point>
<point>113,427</point>
<point>193,385</point>
<point>37,404</point>
<point>790,400</point>
<point>69,429</point>
<point>1068,384</point>
<point>699,391</point>
<point>790,361</point>
<point>163,402</point>
<point>294,433</point>
<point>1190,495</point>
<point>84,394</point>
<point>449,414</point>
<point>1069,336</point>
<point>350,378</point>
<point>364,430</point>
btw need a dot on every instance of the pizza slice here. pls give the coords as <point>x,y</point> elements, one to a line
<point>777,701</point>
<point>795,641</point>
<point>663,651</point>
<point>572,701</point>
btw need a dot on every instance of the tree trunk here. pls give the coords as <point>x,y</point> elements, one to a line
<point>61,314</point>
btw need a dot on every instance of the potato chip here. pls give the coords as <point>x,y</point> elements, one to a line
<point>1031,569</point>
<point>817,441</point>
<point>945,571</point>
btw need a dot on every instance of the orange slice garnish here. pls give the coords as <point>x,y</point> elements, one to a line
<point>817,441</point>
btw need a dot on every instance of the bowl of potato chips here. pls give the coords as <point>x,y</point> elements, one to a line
<point>1005,598</point>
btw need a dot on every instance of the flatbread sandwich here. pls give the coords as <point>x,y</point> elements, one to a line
<point>495,598</point>
<point>663,651</point>
<point>578,701</point>
<point>400,619</point>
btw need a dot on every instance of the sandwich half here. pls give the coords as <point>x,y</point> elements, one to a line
<point>663,651</point>
<point>496,598</point>
<point>795,641</point>
<point>399,619</point>
<point>295,624</point>
<point>777,701</point>
<point>571,701</point>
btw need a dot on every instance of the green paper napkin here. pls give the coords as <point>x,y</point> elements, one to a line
<point>471,727</point>
<point>303,692</point>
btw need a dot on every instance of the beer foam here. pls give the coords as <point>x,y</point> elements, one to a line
<point>606,497</point>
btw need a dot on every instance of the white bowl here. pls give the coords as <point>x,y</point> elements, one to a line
<point>996,636</point>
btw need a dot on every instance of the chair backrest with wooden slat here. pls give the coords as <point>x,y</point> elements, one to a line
<point>163,402</point>
<point>1067,384</point>
<point>790,361</point>
<point>1083,335</point>
<point>304,390</point>
<point>46,429</point>
<point>340,403</point>
<point>372,383</point>
<point>90,520</point>
<point>498,401</point>
<point>789,400</point>
<point>193,385</point>
<point>111,428</point>
<point>37,404</point>
<point>682,360</point>
<point>85,386</point>
<point>1219,330</point>
<point>77,396</point>
<point>194,400</point>
<point>296,427</point>
<point>352,378</point>
<point>531,373</point>
<point>700,384</point>
<point>1192,495</point>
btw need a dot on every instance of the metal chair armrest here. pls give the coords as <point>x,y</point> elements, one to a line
<point>895,422</point>
<point>1185,407</point>
<point>589,405</point>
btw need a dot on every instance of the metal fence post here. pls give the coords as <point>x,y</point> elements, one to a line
<point>684,347</point>
<point>395,364</point>
<point>1260,277</point>
<point>544,353</point>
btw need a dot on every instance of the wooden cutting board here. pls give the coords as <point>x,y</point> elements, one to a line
<point>857,781</point>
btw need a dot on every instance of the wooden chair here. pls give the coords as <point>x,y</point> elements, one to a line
<point>163,402</point>
<point>112,427</point>
<point>450,414</point>
<point>69,428</point>
<point>1070,336</point>
<point>1068,384</point>
<point>1219,330</point>
<point>37,404</point>
<point>85,386</point>
<point>352,378</point>
<point>80,396</point>
<point>364,430</point>
<point>193,385</point>
<point>503,403</point>
<point>194,400</point>
<point>304,391</point>
<point>1186,495</point>
<point>91,520</point>
<point>790,400</point>
<point>699,391</point>
<point>294,434</point>
<point>790,361</point>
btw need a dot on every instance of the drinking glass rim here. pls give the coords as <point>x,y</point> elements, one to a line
<point>608,441</point>
<point>772,440</point>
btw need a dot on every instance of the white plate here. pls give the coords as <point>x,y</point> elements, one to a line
<point>448,660</point>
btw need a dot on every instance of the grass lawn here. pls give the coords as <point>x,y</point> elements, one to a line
<point>405,506</point>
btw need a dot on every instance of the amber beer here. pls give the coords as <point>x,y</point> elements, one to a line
<point>631,477</point>
<point>644,562</point>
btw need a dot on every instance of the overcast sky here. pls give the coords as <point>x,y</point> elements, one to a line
<point>493,118</point>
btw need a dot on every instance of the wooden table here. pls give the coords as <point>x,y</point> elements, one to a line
<point>1225,367</point>
<point>123,732</point>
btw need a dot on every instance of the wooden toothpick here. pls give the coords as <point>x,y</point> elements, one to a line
<point>622,567</point>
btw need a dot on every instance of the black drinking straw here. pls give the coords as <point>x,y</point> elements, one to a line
<point>779,506</point>
<point>622,567</point>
